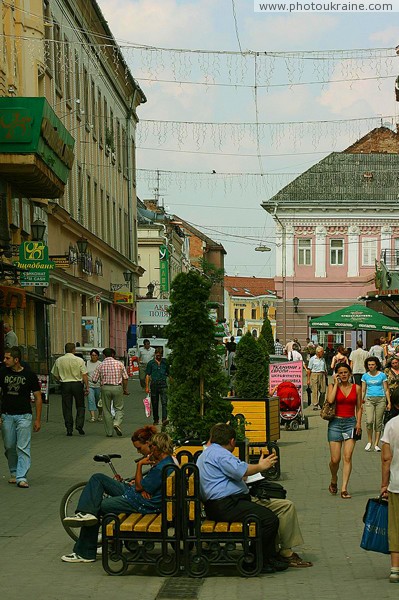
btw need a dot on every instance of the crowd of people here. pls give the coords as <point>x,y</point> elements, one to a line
<point>363,382</point>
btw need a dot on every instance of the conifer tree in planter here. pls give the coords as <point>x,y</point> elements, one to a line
<point>198,385</point>
<point>267,333</point>
<point>251,378</point>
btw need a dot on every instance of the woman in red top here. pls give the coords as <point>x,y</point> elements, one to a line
<point>346,423</point>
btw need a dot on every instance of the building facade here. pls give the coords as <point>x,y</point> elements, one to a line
<point>332,223</point>
<point>65,53</point>
<point>248,301</point>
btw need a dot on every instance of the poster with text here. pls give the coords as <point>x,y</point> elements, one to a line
<point>286,371</point>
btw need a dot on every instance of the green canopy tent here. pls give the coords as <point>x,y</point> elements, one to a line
<point>353,318</point>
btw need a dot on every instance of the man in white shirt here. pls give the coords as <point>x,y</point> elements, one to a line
<point>390,487</point>
<point>10,338</point>
<point>317,373</point>
<point>146,354</point>
<point>356,361</point>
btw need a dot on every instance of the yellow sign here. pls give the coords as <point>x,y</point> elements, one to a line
<point>123,298</point>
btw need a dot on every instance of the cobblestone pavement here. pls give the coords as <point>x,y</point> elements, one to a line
<point>33,540</point>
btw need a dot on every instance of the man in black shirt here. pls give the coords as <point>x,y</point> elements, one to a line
<point>17,383</point>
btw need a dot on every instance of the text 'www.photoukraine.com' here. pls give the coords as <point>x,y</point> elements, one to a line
<point>293,7</point>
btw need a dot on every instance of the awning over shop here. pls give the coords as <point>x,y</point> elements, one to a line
<point>353,318</point>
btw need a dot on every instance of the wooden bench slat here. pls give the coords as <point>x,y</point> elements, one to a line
<point>110,526</point>
<point>129,523</point>
<point>236,527</point>
<point>208,526</point>
<point>156,525</point>
<point>170,485</point>
<point>222,527</point>
<point>145,522</point>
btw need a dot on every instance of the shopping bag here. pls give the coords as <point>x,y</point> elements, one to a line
<point>147,406</point>
<point>375,519</point>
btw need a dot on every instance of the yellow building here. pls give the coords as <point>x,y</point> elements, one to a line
<point>248,300</point>
<point>67,55</point>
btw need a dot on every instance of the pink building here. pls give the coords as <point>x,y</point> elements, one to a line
<point>332,223</point>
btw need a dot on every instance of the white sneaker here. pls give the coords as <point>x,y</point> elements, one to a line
<point>377,449</point>
<point>80,519</point>
<point>75,558</point>
<point>368,447</point>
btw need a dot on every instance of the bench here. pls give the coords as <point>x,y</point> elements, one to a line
<point>146,539</point>
<point>262,428</point>
<point>207,543</point>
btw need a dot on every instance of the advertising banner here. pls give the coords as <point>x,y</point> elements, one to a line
<point>286,371</point>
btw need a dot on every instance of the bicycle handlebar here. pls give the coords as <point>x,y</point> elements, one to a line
<point>106,458</point>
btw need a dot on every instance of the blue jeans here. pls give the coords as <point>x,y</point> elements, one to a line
<point>93,398</point>
<point>92,501</point>
<point>17,431</point>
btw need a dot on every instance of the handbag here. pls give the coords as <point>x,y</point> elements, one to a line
<point>264,490</point>
<point>328,411</point>
<point>147,406</point>
<point>375,519</point>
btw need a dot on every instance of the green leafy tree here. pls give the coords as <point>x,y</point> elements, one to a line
<point>198,385</point>
<point>267,333</point>
<point>251,378</point>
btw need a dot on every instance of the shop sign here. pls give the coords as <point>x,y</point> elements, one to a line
<point>33,256</point>
<point>12,297</point>
<point>61,261</point>
<point>286,371</point>
<point>30,126</point>
<point>164,268</point>
<point>123,298</point>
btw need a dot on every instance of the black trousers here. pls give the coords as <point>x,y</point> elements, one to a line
<point>69,391</point>
<point>236,508</point>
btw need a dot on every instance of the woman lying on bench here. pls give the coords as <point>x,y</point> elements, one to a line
<point>143,495</point>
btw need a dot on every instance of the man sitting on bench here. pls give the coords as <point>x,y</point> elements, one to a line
<point>226,496</point>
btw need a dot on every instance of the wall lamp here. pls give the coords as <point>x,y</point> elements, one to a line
<point>150,292</point>
<point>128,275</point>
<point>296,303</point>
<point>82,245</point>
<point>38,229</point>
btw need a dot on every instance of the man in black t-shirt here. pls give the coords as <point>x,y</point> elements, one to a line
<point>17,383</point>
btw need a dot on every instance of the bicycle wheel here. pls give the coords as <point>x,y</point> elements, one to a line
<point>68,506</point>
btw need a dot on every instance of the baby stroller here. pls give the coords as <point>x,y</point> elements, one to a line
<point>291,409</point>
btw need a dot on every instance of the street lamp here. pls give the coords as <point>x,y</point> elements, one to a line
<point>128,277</point>
<point>150,288</point>
<point>262,249</point>
<point>38,228</point>
<point>296,302</point>
<point>82,244</point>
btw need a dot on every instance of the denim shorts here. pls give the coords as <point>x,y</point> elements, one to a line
<point>340,430</point>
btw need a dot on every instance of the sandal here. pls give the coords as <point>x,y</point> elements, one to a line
<point>23,484</point>
<point>12,480</point>
<point>295,561</point>
<point>333,488</point>
<point>345,495</point>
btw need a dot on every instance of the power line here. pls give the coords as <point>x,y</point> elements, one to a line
<point>236,24</point>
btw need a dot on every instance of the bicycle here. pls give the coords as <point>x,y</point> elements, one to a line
<point>71,497</point>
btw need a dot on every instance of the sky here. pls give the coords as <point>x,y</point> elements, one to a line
<point>337,69</point>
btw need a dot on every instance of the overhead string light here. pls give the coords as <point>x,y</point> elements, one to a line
<point>330,132</point>
<point>233,68</point>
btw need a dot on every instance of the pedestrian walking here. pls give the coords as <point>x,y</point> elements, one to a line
<point>146,353</point>
<point>10,338</point>
<point>17,384</point>
<point>94,395</point>
<point>376,398</point>
<point>71,371</point>
<point>356,362</point>
<point>113,379</point>
<point>278,347</point>
<point>377,350</point>
<point>316,378</point>
<point>156,383</point>
<point>390,487</point>
<point>344,427</point>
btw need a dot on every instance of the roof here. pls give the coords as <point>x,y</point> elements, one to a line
<point>191,229</point>
<point>249,286</point>
<point>346,179</point>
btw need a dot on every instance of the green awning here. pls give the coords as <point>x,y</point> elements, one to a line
<point>353,318</point>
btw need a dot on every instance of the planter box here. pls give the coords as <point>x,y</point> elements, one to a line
<point>262,417</point>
